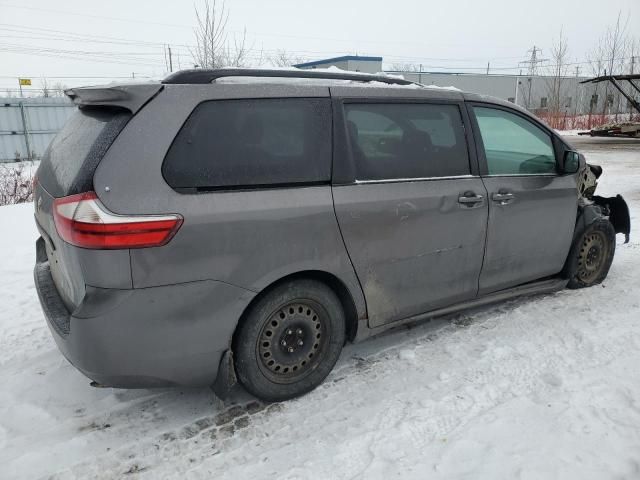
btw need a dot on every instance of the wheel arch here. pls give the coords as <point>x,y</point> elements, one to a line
<point>332,281</point>
<point>587,216</point>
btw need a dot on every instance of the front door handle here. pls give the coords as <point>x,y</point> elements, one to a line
<point>469,199</point>
<point>503,198</point>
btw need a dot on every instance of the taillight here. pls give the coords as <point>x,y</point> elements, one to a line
<point>82,220</point>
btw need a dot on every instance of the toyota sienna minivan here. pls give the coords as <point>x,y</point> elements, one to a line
<point>242,225</point>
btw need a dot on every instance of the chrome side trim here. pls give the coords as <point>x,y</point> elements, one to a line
<point>420,179</point>
<point>522,175</point>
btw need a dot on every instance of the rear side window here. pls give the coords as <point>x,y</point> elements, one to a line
<point>68,164</point>
<point>253,142</point>
<point>404,141</point>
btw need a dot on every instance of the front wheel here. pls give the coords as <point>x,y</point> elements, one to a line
<point>290,340</point>
<point>591,255</point>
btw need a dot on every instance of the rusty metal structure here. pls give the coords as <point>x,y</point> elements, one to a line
<point>625,129</point>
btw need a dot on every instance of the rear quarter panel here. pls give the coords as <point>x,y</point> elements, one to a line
<point>72,268</point>
<point>246,238</point>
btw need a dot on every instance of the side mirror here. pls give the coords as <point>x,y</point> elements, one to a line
<point>571,162</point>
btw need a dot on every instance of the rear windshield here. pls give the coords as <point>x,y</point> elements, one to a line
<point>69,163</point>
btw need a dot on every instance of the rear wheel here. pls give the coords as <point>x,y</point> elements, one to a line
<point>290,340</point>
<point>591,255</point>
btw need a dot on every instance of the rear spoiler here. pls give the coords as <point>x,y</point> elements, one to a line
<point>132,97</point>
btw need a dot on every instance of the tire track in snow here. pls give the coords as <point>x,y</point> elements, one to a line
<point>510,356</point>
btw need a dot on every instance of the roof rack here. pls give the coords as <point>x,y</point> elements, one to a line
<point>201,75</point>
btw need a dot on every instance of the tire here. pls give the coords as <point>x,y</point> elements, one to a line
<point>290,340</point>
<point>591,255</point>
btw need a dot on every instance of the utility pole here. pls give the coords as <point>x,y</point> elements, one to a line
<point>25,130</point>
<point>532,63</point>
<point>164,51</point>
<point>633,61</point>
<point>576,101</point>
<point>170,59</point>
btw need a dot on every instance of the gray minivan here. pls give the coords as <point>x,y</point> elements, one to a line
<point>229,225</point>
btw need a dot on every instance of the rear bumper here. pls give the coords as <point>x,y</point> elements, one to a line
<point>140,338</point>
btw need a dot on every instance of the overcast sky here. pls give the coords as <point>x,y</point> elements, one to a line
<point>119,38</point>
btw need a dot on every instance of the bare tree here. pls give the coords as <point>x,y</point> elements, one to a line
<point>211,35</point>
<point>633,67</point>
<point>213,48</point>
<point>46,90</point>
<point>616,42</point>
<point>16,184</point>
<point>236,54</point>
<point>284,59</point>
<point>58,88</point>
<point>609,55</point>
<point>405,67</point>
<point>556,82</point>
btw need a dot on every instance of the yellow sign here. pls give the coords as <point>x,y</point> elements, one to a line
<point>25,81</point>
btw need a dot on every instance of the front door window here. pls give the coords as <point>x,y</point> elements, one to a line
<point>514,145</point>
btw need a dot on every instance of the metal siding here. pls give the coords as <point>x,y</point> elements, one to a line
<point>367,66</point>
<point>504,87</point>
<point>44,118</point>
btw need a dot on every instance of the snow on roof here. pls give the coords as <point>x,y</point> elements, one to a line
<point>319,81</point>
<point>452,88</point>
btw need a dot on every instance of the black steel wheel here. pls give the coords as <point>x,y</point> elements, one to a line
<point>289,340</point>
<point>591,255</point>
<point>292,341</point>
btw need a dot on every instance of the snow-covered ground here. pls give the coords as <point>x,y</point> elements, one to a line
<point>571,133</point>
<point>543,387</point>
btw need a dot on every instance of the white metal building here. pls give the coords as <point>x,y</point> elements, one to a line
<point>27,125</point>
<point>532,93</point>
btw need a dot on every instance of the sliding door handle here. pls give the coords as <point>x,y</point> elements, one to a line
<point>502,198</point>
<point>470,199</point>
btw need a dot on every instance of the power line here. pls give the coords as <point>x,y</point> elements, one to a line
<point>136,57</point>
<point>68,36</point>
<point>386,41</point>
<point>85,58</point>
<point>534,61</point>
<point>72,36</point>
<point>185,48</point>
<point>102,17</point>
<point>77,77</point>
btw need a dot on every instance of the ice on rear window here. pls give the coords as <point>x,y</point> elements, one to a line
<point>68,164</point>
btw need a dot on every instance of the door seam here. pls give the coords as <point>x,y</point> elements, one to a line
<point>344,244</point>
<point>486,236</point>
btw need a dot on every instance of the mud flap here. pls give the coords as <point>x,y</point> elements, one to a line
<point>618,211</point>
<point>226,378</point>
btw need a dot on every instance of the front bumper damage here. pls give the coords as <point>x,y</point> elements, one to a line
<point>618,212</point>
<point>592,207</point>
